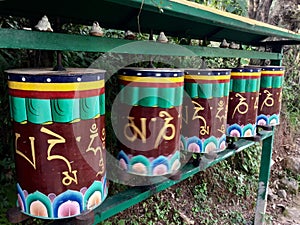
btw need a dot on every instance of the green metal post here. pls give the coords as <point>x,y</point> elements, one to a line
<point>264,175</point>
<point>265,162</point>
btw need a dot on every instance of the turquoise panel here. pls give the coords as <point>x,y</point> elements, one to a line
<point>18,110</point>
<point>65,110</point>
<point>38,110</point>
<point>89,107</point>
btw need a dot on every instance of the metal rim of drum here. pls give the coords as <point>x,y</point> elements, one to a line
<point>207,72</point>
<point>46,75</point>
<point>267,68</point>
<point>151,72</point>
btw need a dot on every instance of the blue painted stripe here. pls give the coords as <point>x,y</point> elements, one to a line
<point>50,78</point>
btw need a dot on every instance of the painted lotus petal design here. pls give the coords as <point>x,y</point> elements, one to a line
<point>68,209</point>
<point>38,204</point>
<point>139,168</point>
<point>175,162</point>
<point>20,203</point>
<point>104,186</point>
<point>160,166</point>
<point>69,203</point>
<point>193,147</point>
<point>222,143</point>
<point>210,144</point>
<point>21,198</point>
<point>248,130</point>
<point>234,130</point>
<point>140,165</point>
<point>262,120</point>
<point>37,208</point>
<point>93,195</point>
<point>94,200</point>
<point>123,160</point>
<point>194,144</point>
<point>274,119</point>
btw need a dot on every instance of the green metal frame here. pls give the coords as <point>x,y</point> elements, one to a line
<point>174,18</point>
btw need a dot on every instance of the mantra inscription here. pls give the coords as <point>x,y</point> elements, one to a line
<point>270,101</point>
<point>141,133</point>
<point>70,154</point>
<point>204,117</point>
<point>150,131</point>
<point>243,108</point>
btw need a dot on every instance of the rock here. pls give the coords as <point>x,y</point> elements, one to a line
<point>233,45</point>
<point>289,184</point>
<point>281,207</point>
<point>282,193</point>
<point>96,30</point>
<point>292,163</point>
<point>129,35</point>
<point>272,162</point>
<point>44,25</point>
<point>186,219</point>
<point>162,38</point>
<point>271,195</point>
<point>224,44</point>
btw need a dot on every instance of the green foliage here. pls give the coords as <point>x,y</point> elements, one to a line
<point>291,87</point>
<point>239,7</point>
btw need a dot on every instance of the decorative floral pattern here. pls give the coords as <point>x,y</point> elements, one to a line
<point>236,130</point>
<point>197,145</point>
<point>266,120</point>
<point>142,165</point>
<point>67,204</point>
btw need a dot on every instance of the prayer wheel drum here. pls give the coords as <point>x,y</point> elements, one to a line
<point>58,121</point>
<point>243,102</point>
<point>270,94</point>
<point>149,120</point>
<point>205,109</point>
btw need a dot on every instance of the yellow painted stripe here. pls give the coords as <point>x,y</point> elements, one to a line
<point>272,72</point>
<point>152,79</point>
<point>197,77</point>
<point>245,74</point>
<point>83,86</point>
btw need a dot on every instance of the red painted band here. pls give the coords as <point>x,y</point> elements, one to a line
<point>55,94</point>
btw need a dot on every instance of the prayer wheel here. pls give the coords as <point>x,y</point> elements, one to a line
<point>205,109</point>
<point>149,120</point>
<point>243,102</point>
<point>59,125</point>
<point>270,95</point>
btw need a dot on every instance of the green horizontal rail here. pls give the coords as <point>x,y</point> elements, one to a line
<point>23,39</point>
<point>133,195</point>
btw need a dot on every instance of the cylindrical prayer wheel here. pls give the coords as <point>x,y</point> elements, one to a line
<point>243,102</point>
<point>269,105</point>
<point>59,126</point>
<point>149,122</point>
<point>205,109</point>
